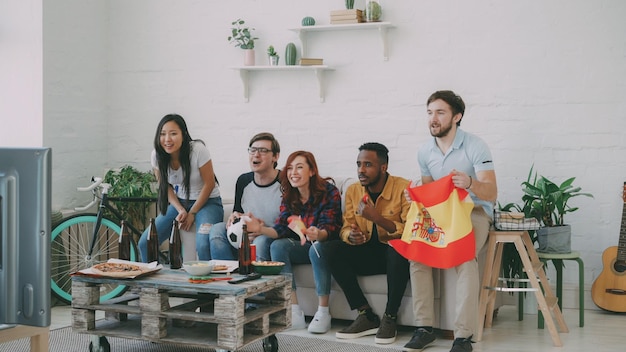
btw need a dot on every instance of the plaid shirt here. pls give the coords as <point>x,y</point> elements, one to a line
<point>326,216</point>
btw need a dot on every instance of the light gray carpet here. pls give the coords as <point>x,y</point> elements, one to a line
<point>64,340</point>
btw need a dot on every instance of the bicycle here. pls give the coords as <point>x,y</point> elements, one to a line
<point>85,239</point>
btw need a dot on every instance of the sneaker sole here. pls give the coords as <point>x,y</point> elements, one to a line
<point>408,349</point>
<point>354,335</point>
<point>316,331</point>
<point>384,340</point>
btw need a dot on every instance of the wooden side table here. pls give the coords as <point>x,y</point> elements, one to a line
<point>39,336</point>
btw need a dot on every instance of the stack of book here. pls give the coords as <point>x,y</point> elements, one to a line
<point>346,16</point>
<point>305,61</point>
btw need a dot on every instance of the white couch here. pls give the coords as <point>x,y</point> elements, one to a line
<point>374,287</point>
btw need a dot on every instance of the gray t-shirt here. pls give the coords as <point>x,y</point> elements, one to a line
<point>263,201</point>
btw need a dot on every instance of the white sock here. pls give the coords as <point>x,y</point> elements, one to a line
<point>296,308</point>
<point>323,310</point>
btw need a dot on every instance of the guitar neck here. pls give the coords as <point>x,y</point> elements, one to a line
<point>621,246</point>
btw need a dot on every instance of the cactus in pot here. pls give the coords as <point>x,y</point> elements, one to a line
<point>290,54</point>
<point>349,4</point>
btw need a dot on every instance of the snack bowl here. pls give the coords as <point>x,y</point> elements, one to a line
<point>198,267</point>
<point>268,268</point>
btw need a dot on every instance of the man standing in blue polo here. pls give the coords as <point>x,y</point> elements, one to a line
<point>468,159</point>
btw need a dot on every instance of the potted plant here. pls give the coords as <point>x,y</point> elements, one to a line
<point>272,56</point>
<point>128,182</point>
<point>373,11</point>
<point>242,37</point>
<point>548,203</point>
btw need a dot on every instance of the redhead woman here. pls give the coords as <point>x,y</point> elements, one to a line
<point>188,190</point>
<point>318,203</point>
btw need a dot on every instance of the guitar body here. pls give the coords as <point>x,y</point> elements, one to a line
<point>609,289</point>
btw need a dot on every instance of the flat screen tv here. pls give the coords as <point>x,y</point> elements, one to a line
<point>25,192</point>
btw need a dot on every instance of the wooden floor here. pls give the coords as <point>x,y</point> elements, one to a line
<point>603,332</point>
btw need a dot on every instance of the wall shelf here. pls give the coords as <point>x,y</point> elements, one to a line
<point>381,26</point>
<point>317,69</point>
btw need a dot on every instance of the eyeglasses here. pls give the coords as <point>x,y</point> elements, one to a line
<point>262,151</point>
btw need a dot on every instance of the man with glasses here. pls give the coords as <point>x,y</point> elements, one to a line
<point>256,192</point>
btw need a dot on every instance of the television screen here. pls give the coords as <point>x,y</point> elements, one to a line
<point>25,203</point>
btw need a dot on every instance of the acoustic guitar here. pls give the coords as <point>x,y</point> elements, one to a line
<point>609,289</point>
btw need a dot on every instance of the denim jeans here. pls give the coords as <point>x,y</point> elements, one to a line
<point>211,213</point>
<point>289,251</point>
<point>222,249</point>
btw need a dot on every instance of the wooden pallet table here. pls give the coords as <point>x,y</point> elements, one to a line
<point>212,315</point>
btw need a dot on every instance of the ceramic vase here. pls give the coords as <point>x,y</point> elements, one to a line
<point>248,57</point>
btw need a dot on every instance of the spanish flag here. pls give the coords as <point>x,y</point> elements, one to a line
<point>438,230</point>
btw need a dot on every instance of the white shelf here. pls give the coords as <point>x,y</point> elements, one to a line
<point>317,69</point>
<point>382,28</point>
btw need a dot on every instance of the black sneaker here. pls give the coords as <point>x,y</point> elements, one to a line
<point>361,326</point>
<point>462,344</point>
<point>387,330</point>
<point>420,340</point>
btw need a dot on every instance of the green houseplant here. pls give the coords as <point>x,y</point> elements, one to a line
<point>272,56</point>
<point>547,202</point>
<point>241,36</point>
<point>128,182</point>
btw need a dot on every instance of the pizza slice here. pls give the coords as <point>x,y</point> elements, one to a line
<point>297,225</point>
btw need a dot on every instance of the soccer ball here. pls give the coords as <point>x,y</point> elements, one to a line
<point>233,233</point>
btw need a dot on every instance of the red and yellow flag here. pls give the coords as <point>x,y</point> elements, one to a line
<point>438,230</point>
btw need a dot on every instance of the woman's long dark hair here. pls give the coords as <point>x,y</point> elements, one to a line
<point>317,184</point>
<point>163,159</point>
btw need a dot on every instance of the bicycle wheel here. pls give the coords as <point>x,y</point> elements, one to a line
<point>69,253</point>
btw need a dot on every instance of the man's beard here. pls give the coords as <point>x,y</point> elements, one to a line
<point>372,181</point>
<point>443,131</point>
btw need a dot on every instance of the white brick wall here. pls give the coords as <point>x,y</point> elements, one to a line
<point>543,81</point>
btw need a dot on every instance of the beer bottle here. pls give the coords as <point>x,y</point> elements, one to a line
<point>245,263</point>
<point>176,255</point>
<point>124,242</point>
<point>153,243</point>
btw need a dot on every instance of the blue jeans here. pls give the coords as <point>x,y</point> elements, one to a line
<point>212,212</point>
<point>289,251</point>
<point>222,249</point>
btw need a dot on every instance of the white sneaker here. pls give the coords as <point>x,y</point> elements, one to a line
<point>297,320</point>
<point>320,323</point>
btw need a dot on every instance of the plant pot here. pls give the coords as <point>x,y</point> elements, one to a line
<point>273,60</point>
<point>556,239</point>
<point>373,11</point>
<point>529,302</point>
<point>248,57</point>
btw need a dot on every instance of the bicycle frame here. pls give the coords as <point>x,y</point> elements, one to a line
<point>105,204</point>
